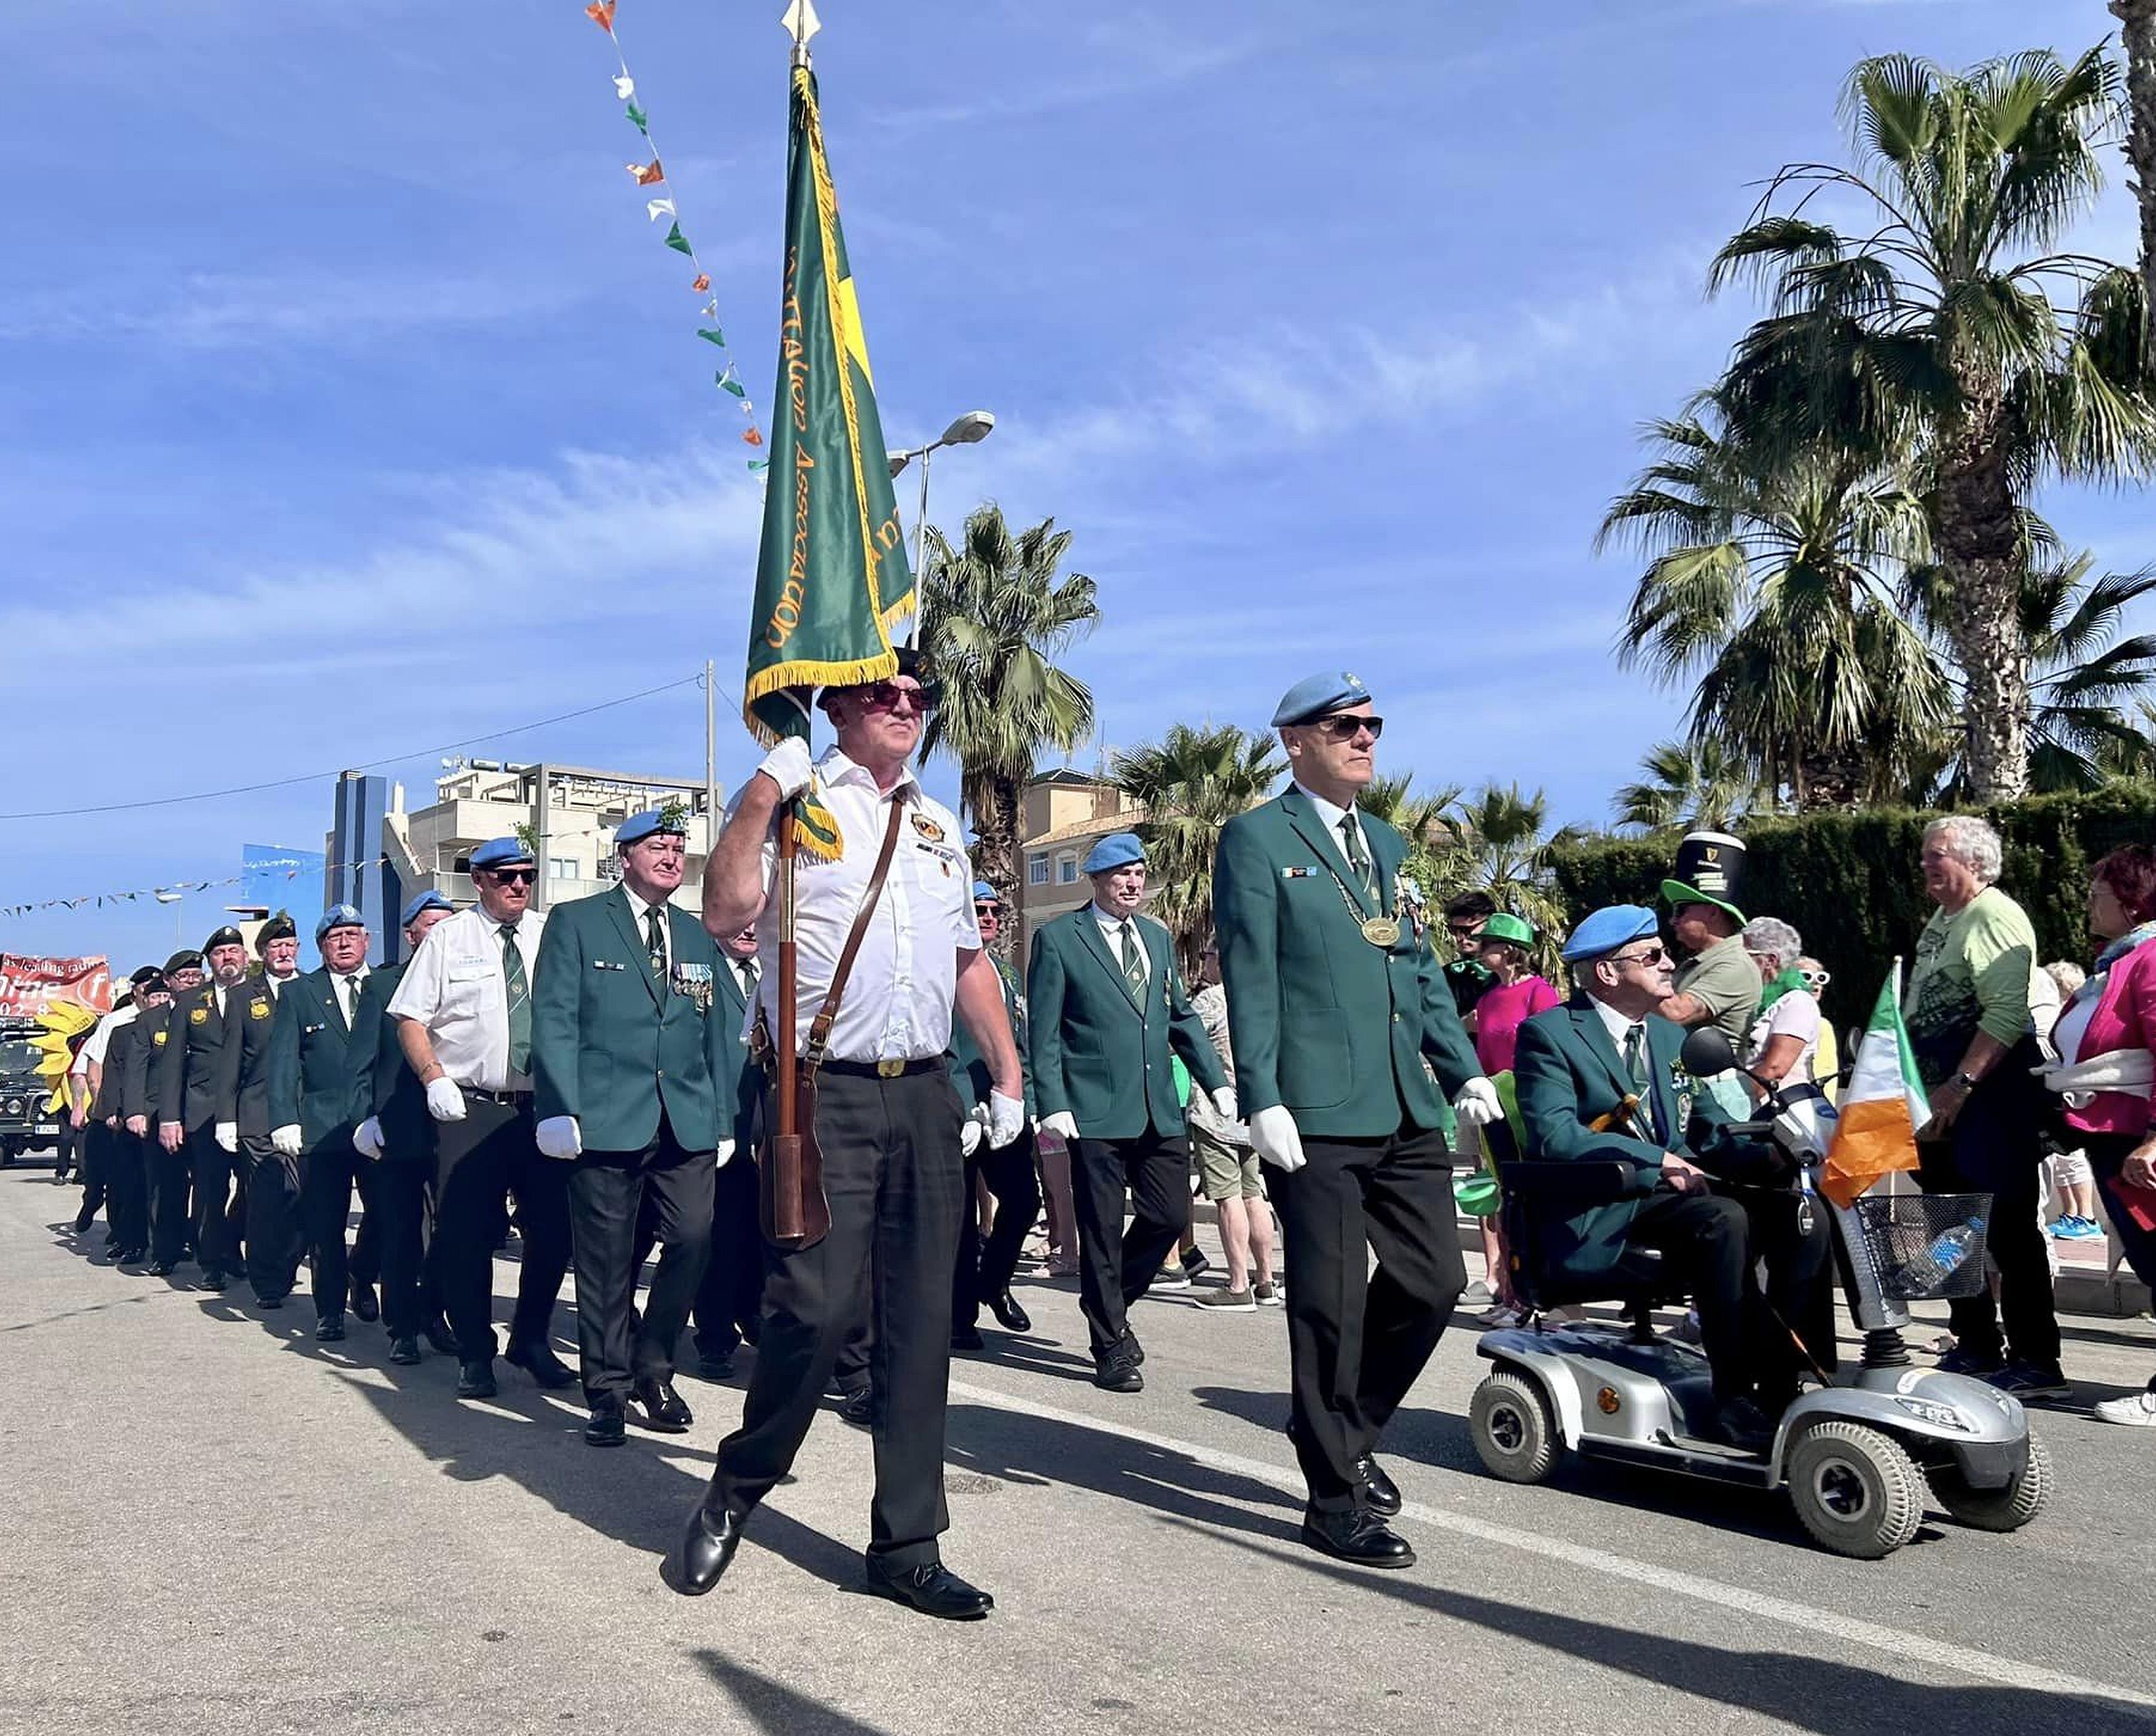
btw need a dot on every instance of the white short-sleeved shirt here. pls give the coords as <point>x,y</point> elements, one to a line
<point>897,1003</point>
<point>1794,1014</point>
<point>100,1039</point>
<point>455,987</point>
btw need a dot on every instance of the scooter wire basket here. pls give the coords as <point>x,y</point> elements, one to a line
<point>1926,1245</point>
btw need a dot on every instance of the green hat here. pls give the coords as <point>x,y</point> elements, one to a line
<point>1504,925</point>
<point>1709,869</point>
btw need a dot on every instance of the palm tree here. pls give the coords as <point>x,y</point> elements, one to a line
<point>1421,820</point>
<point>1496,842</point>
<point>993,614</point>
<point>2138,33</point>
<point>1692,786</point>
<point>1770,583</point>
<point>1191,782</point>
<point>1930,327</point>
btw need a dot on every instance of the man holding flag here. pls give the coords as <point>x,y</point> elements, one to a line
<point>865,948</point>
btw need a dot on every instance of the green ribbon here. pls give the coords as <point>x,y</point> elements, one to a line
<point>1777,987</point>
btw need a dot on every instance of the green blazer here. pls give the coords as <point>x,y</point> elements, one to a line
<point>1358,1041</point>
<point>382,1083</point>
<point>1566,1072</point>
<point>738,1079</point>
<point>969,1067</point>
<point>610,1044</point>
<point>1097,1054</point>
<point>310,1062</point>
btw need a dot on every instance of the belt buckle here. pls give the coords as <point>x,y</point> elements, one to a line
<point>891,1069</point>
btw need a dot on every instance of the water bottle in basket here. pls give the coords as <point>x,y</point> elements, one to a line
<point>1942,1258</point>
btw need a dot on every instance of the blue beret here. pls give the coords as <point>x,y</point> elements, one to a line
<point>1317,696</point>
<point>1612,927</point>
<point>499,852</point>
<point>426,902</point>
<point>638,827</point>
<point>983,893</point>
<point>338,916</point>
<point>1118,850</point>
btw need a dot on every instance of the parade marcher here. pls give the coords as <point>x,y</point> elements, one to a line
<point>393,1133</point>
<point>464,1006</point>
<point>1107,1016</point>
<point>143,1096</point>
<point>115,1067</point>
<point>1717,983</point>
<point>982,1277</point>
<point>310,1109</point>
<point>621,1069</point>
<point>1344,1032</point>
<point>270,1179</point>
<point>886,1122</point>
<point>730,1299</point>
<point>197,1149</point>
<point>1344,1035</point>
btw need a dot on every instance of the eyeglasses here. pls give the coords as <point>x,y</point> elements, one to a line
<point>1658,954</point>
<point>1463,930</point>
<point>514,877</point>
<point>890,696</point>
<point>1815,980</point>
<point>1346,729</point>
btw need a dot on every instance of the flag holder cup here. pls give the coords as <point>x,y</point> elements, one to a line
<point>1860,1452</point>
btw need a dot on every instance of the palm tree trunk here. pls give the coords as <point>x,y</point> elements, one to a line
<point>1979,545</point>
<point>995,809</point>
<point>2138,20</point>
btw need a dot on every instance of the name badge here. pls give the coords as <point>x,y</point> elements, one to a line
<point>259,1009</point>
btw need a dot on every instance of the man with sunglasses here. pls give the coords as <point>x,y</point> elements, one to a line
<point>464,1008</point>
<point>1600,1078</point>
<point>1467,976</point>
<point>886,1123</point>
<point>1344,1033</point>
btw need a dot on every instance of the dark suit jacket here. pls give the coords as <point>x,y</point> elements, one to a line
<point>311,1062</point>
<point>969,1067</point>
<point>243,1062</point>
<point>152,1030</point>
<point>187,1071</point>
<point>737,1079</point>
<point>382,1083</point>
<point>111,1094</point>
<point>1099,1055</point>
<point>1335,1028</point>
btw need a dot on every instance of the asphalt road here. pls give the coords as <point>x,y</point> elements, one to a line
<point>209,1522</point>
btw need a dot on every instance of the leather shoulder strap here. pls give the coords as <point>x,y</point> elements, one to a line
<point>819,1027</point>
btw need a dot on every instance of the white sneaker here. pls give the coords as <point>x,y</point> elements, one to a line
<point>2136,1411</point>
<point>1170,1280</point>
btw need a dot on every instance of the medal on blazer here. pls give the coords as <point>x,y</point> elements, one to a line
<point>1382,930</point>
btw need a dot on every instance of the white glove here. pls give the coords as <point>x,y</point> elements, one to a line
<point>788,765</point>
<point>970,1131</point>
<point>559,1136</point>
<point>445,1101</point>
<point>1477,1103</point>
<point>1004,1120</point>
<point>286,1138</point>
<point>1224,1102</point>
<point>719,1157</point>
<point>227,1136</point>
<point>367,1138</point>
<point>1063,1124</point>
<point>1276,1139</point>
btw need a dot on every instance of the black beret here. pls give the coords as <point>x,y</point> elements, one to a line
<point>227,935</point>
<point>182,961</point>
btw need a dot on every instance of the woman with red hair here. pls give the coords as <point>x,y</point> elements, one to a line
<point>2105,1041</point>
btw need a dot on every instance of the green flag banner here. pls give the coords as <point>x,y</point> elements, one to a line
<point>832,577</point>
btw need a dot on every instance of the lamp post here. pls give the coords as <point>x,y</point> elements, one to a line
<point>970,429</point>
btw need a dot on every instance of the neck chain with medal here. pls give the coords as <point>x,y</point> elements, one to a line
<point>1380,930</point>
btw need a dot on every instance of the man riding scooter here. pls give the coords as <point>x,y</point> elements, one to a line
<point>1601,1078</point>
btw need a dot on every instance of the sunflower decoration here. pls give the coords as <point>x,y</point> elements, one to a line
<point>63,1025</point>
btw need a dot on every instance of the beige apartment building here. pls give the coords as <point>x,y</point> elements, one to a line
<point>1061,816</point>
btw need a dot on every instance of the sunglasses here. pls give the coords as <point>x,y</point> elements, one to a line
<point>1463,930</point>
<point>514,877</point>
<point>890,696</point>
<point>1814,980</point>
<point>1345,729</point>
<point>1657,954</point>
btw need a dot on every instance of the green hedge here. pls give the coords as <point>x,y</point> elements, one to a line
<point>1849,882</point>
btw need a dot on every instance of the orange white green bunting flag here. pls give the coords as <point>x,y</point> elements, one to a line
<point>1880,1108</point>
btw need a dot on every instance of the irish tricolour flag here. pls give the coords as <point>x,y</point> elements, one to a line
<point>1882,1107</point>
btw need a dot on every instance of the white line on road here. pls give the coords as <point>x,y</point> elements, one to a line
<point>1966,1660</point>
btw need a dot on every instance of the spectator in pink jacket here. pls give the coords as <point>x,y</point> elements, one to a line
<point>2105,1041</point>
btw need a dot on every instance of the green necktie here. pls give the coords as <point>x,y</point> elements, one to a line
<point>655,937</point>
<point>748,970</point>
<point>1636,1063</point>
<point>350,1000</point>
<point>1134,966</point>
<point>1359,861</point>
<point>520,1001</point>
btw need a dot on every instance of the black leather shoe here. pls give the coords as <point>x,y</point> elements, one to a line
<point>278,1301</point>
<point>476,1380</point>
<point>1740,1424</point>
<point>934,1589</point>
<point>439,1334</point>
<point>82,1220</point>
<point>664,1409</point>
<point>859,1408</point>
<point>159,1269</point>
<point>1380,1493</point>
<point>364,1306</point>
<point>404,1350</point>
<point>1009,1314</point>
<point>1133,1351</point>
<point>967,1337</point>
<point>706,1547</point>
<point>542,1364</point>
<point>212,1279</point>
<point>1357,1535</point>
<point>1118,1374</point>
<point>605,1429</point>
<point>328,1330</point>
<point>715,1368</point>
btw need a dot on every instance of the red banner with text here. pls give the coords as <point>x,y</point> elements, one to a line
<point>29,984</point>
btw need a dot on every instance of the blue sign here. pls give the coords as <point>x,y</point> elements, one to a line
<point>279,877</point>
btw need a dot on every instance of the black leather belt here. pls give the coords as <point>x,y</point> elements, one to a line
<point>881,1069</point>
<point>510,1097</point>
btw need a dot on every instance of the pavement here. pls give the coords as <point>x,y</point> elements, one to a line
<point>211,1521</point>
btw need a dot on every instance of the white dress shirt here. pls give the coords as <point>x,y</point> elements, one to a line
<point>347,1003</point>
<point>1112,931</point>
<point>455,987</point>
<point>897,1003</point>
<point>1332,814</point>
<point>637,908</point>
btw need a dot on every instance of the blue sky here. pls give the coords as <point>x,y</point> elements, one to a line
<point>349,404</point>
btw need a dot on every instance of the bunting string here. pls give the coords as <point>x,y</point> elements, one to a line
<point>98,901</point>
<point>651,173</point>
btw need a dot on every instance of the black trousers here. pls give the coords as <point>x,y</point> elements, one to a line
<point>329,1174</point>
<point>403,1210</point>
<point>477,1162</point>
<point>1702,1238</point>
<point>729,1299</point>
<point>1798,1297</point>
<point>895,1182</point>
<point>985,1264</point>
<point>1995,1146</point>
<point>122,1163</point>
<point>96,1165</point>
<point>210,1172</point>
<point>275,1241</point>
<point>172,1187</point>
<point>1116,1265</point>
<point>612,1195</point>
<point>1358,1339</point>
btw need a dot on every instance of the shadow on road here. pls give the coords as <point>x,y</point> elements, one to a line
<point>777,1708</point>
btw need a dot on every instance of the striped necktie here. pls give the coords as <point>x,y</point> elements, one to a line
<point>519,990</point>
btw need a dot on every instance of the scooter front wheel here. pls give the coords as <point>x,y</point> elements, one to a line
<point>1857,1490</point>
<point>1510,1422</point>
<point>2007,1509</point>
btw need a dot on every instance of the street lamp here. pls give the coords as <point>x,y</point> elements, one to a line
<point>970,429</point>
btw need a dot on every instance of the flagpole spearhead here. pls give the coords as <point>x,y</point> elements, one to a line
<point>801,22</point>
